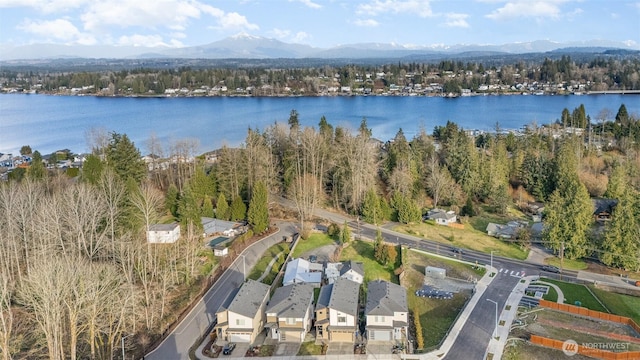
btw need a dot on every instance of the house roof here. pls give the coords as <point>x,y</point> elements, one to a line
<point>291,301</point>
<point>344,297</point>
<point>249,298</point>
<point>357,267</point>
<point>163,227</point>
<point>211,225</point>
<point>385,298</point>
<point>441,214</point>
<point>301,271</point>
<point>604,205</point>
<point>324,297</point>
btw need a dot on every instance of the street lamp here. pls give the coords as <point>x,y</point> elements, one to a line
<point>122,342</point>
<point>495,330</point>
<point>492,251</point>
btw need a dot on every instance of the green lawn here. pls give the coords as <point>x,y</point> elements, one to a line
<point>261,266</point>
<point>309,348</point>
<point>469,238</point>
<point>363,252</point>
<point>552,295</point>
<point>567,264</point>
<point>314,241</point>
<point>619,304</point>
<point>576,292</point>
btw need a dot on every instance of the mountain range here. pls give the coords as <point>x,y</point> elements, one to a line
<point>244,46</point>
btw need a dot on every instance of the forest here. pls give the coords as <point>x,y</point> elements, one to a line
<point>78,274</point>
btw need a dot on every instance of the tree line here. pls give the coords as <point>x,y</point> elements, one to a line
<point>600,73</point>
<point>78,272</point>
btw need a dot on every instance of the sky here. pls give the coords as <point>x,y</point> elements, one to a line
<point>319,23</point>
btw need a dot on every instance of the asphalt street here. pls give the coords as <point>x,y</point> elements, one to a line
<point>177,344</point>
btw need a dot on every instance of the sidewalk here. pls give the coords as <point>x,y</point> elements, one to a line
<point>506,317</point>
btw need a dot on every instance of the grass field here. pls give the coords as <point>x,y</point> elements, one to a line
<point>314,241</point>
<point>576,292</point>
<point>469,238</point>
<point>619,304</point>
<point>362,251</point>
<point>567,264</point>
<point>261,266</point>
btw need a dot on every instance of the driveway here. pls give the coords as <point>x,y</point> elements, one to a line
<point>340,348</point>
<point>324,253</point>
<point>287,349</point>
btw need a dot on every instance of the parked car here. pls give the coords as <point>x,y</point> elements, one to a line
<point>228,349</point>
<point>458,251</point>
<point>551,268</point>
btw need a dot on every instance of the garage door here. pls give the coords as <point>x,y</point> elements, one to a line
<point>342,336</point>
<point>379,335</point>
<point>240,338</point>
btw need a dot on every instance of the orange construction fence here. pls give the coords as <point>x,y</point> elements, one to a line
<point>590,313</point>
<point>584,350</point>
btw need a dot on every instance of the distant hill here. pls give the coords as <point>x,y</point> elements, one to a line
<point>244,46</point>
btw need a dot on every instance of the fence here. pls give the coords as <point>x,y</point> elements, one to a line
<point>583,350</point>
<point>590,313</point>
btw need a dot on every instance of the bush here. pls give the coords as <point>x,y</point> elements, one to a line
<point>333,230</point>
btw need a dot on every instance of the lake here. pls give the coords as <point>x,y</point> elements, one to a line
<point>48,123</point>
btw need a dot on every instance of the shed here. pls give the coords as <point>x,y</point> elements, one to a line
<point>435,272</point>
<point>219,250</point>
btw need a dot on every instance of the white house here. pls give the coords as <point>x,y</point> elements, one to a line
<point>163,233</point>
<point>387,312</point>
<point>442,217</point>
<point>353,271</point>
<point>302,271</point>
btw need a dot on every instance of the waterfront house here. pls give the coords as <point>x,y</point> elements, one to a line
<point>244,318</point>
<point>387,312</point>
<point>289,312</point>
<point>163,233</point>
<point>337,311</point>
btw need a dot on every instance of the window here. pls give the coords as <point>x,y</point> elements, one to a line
<point>379,318</point>
<point>342,319</point>
<point>290,321</point>
<point>240,322</point>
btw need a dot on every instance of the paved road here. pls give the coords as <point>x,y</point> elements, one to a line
<point>176,345</point>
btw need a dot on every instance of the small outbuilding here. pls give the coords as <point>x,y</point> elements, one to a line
<point>435,272</point>
<point>163,233</point>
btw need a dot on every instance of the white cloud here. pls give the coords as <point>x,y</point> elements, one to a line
<point>528,8</point>
<point>58,29</point>
<point>456,20</point>
<point>420,7</point>
<point>301,37</point>
<point>47,6</point>
<point>366,22</point>
<point>141,40</point>
<point>309,3</point>
<point>235,21</point>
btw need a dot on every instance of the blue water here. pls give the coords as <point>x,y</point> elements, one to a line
<point>49,123</point>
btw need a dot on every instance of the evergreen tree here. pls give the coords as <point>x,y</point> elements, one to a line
<point>621,246</point>
<point>172,199</point>
<point>258,215</point>
<point>222,207</point>
<point>617,182</point>
<point>188,208</point>
<point>407,210</point>
<point>391,254</point>
<point>238,209</point>
<point>569,210</point>
<point>207,207</point>
<point>378,244</point>
<point>124,158</point>
<point>345,234</point>
<point>371,211</point>
<point>37,170</point>
<point>202,185</point>
<point>622,116</point>
<point>92,169</point>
